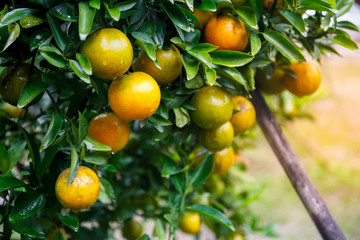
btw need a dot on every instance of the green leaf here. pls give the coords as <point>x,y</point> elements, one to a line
<point>64,11</point>
<point>15,33</point>
<point>255,43</point>
<point>316,7</point>
<point>159,230</point>
<point>203,48</point>
<point>231,74</point>
<point>169,166</point>
<point>143,37</point>
<point>86,18</point>
<point>98,158</point>
<point>9,182</point>
<point>295,19</point>
<point>52,131</point>
<point>207,5</point>
<point>160,120</point>
<point>73,165</point>
<point>247,16</point>
<point>29,227</point>
<point>92,144</point>
<point>61,39</point>
<point>348,25</point>
<point>5,160</point>
<point>15,153</point>
<point>343,6</point>
<point>176,15</point>
<point>47,159</point>
<point>109,190</point>
<point>213,214</point>
<point>191,66</point>
<point>69,220</point>
<point>30,21</point>
<point>95,4</point>
<point>33,149</point>
<point>27,205</point>
<point>285,47</point>
<point>54,59</point>
<point>202,172</point>
<point>182,117</point>
<point>195,82</point>
<point>230,58</point>
<point>345,41</point>
<point>39,38</point>
<point>145,237</point>
<point>202,57</point>
<point>113,12</point>
<point>31,90</point>
<point>16,15</point>
<point>84,63</point>
<point>210,75</point>
<point>83,127</point>
<point>149,49</point>
<point>75,66</point>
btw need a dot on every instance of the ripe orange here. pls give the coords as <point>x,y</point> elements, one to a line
<point>213,107</point>
<point>190,222</point>
<point>308,79</point>
<point>273,85</point>
<point>134,96</point>
<point>109,52</point>
<point>224,159</point>
<point>216,139</point>
<point>83,191</point>
<point>203,16</point>
<point>227,32</point>
<point>245,117</point>
<point>111,130</point>
<point>132,230</point>
<point>12,81</point>
<point>14,112</point>
<point>169,61</point>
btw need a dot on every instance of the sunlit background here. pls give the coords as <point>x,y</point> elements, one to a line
<point>328,146</point>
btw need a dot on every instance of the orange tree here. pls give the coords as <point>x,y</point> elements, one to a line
<point>68,65</point>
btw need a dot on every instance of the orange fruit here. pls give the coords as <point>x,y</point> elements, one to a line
<point>216,139</point>
<point>213,107</point>
<point>236,236</point>
<point>134,96</point>
<point>109,129</point>
<point>190,222</point>
<point>132,230</point>
<point>227,32</point>
<point>169,61</point>
<point>203,17</point>
<point>109,52</point>
<point>273,85</point>
<point>224,159</point>
<point>83,191</point>
<point>14,112</point>
<point>245,116</point>
<point>308,79</point>
<point>215,185</point>
<point>13,79</point>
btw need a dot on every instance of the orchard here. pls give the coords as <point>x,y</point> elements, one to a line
<point>122,119</point>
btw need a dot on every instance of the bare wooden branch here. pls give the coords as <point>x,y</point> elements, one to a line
<point>297,174</point>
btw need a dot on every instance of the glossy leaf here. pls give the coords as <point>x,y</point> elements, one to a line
<point>113,12</point>
<point>15,33</point>
<point>54,59</point>
<point>143,37</point>
<point>60,37</point>
<point>195,82</point>
<point>191,66</point>
<point>79,71</point>
<point>255,43</point>
<point>169,166</point>
<point>15,15</point>
<point>69,220</point>
<point>203,48</point>
<point>64,11</point>
<point>86,18</point>
<point>202,57</point>
<point>29,227</point>
<point>31,90</point>
<point>176,15</point>
<point>52,131</point>
<point>149,49</point>
<point>15,153</point>
<point>295,19</point>
<point>33,149</point>
<point>73,165</point>
<point>83,127</point>
<point>92,144</point>
<point>285,47</point>
<point>47,159</point>
<point>84,63</point>
<point>345,41</point>
<point>9,182</point>
<point>95,4</point>
<point>27,205</point>
<point>348,25</point>
<point>231,74</point>
<point>210,75</point>
<point>98,158</point>
<point>106,185</point>
<point>316,7</point>
<point>213,214</point>
<point>202,172</point>
<point>230,58</point>
<point>5,161</point>
<point>30,21</point>
<point>247,16</point>
<point>182,117</point>
<point>343,6</point>
<point>39,38</point>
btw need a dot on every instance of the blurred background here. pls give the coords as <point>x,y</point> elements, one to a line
<point>328,146</point>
